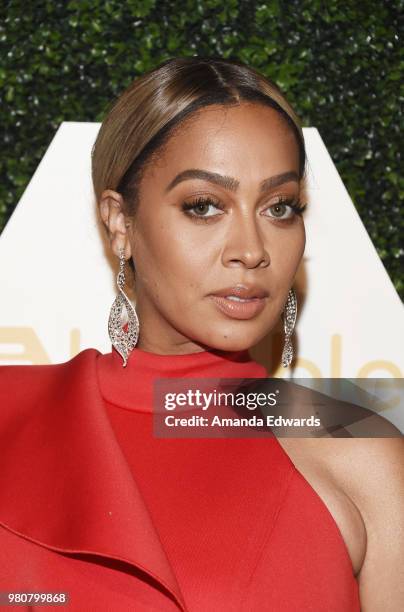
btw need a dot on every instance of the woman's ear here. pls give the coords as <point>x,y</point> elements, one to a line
<point>111,210</point>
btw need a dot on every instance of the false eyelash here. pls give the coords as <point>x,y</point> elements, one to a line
<point>296,205</point>
<point>200,200</point>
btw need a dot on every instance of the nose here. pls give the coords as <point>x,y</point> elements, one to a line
<point>245,243</point>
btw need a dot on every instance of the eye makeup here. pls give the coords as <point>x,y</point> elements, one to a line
<point>191,208</point>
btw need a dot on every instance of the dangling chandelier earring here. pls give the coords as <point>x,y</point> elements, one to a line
<point>289,319</point>
<point>124,342</point>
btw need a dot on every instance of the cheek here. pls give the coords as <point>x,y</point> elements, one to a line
<point>286,250</point>
<point>286,253</point>
<point>180,251</point>
<point>171,264</point>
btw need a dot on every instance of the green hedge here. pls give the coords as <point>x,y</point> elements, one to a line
<point>339,63</point>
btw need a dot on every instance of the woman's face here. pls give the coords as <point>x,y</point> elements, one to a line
<point>244,162</point>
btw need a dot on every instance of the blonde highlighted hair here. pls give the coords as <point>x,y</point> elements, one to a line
<point>148,112</point>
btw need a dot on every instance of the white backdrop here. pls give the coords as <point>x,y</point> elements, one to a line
<point>57,282</point>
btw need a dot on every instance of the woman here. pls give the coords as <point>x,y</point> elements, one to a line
<point>197,172</point>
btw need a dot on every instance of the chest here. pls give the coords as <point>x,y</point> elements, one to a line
<point>313,463</point>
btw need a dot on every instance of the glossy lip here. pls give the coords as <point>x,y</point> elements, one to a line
<point>243,291</point>
<point>239,310</point>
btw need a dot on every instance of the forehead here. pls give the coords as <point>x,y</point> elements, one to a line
<point>248,139</point>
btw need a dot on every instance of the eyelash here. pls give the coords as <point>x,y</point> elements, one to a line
<point>295,205</point>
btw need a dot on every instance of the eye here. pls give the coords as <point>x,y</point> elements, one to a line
<point>199,208</point>
<point>205,209</point>
<point>286,208</point>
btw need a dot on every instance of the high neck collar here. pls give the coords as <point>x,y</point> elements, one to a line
<point>132,387</point>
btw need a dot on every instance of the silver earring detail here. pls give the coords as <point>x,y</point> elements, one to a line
<point>124,342</point>
<point>289,319</point>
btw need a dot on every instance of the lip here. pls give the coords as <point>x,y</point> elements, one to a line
<point>239,310</point>
<point>243,291</point>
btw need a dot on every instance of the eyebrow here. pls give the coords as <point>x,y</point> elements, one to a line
<point>229,182</point>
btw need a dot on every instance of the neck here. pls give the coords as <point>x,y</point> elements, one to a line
<point>132,387</point>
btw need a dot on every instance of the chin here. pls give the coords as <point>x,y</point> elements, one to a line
<point>232,341</point>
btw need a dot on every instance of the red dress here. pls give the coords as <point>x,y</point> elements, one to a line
<point>93,504</point>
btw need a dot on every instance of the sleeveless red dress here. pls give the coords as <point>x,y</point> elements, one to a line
<point>93,504</point>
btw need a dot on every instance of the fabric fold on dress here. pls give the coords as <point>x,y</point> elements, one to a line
<point>64,482</point>
<point>206,524</point>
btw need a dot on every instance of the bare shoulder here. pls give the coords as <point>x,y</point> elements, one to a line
<point>355,463</point>
<point>364,466</point>
<point>370,472</point>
